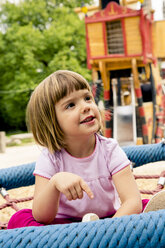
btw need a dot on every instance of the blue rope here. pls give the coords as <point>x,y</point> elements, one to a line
<point>17,176</point>
<point>144,154</point>
<point>142,230</point>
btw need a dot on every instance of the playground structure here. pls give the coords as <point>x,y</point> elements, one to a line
<point>140,230</point>
<point>123,50</point>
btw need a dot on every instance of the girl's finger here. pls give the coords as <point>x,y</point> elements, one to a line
<point>68,194</point>
<point>86,188</point>
<point>73,193</point>
<point>79,191</point>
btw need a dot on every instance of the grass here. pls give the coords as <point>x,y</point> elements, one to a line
<point>23,142</point>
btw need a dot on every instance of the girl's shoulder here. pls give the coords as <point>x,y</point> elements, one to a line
<point>114,155</point>
<point>106,142</point>
<point>47,163</point>
<point>108,146</point>
<point>47,155</point>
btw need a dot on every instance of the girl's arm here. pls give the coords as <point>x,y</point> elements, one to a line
<point>129,194</point>
<point>47,194</point>
<point>46,200</point>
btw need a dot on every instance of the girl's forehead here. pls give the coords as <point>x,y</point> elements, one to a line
<point>74,94</point>
<point>77,93</point>
<point>66,87</point>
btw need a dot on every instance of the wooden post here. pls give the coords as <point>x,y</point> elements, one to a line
<point>2,142</point>
<point>105,75</point>
<point>94,75</point>
<point>138,94</point>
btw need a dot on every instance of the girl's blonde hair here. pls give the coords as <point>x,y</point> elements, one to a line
<point>41,114</point>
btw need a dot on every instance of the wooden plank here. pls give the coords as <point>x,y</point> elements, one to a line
<point>159,38</point>
<point>133,36</point>
<point>104,75</point>
<point>96,41</point>
<point>117,63</point>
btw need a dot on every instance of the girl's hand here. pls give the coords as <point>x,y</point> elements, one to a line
<point>71,185</point>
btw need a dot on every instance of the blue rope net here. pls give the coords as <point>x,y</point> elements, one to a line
<point>144,154</point>
<point>142,230</point>
<point>17,176</point>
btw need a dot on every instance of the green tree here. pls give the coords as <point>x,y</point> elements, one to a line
<point>37,38</point>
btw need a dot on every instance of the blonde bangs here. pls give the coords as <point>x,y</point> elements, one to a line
<point>68,82</point>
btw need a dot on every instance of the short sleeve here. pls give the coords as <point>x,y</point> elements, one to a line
<point>117,159</point>
<point>46,165</point>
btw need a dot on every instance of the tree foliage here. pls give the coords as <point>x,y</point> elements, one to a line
<point>37,38</point>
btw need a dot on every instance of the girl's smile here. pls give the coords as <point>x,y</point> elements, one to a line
<point>88,120</point>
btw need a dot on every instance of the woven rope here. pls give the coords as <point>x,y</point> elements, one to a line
<point>10,204</point>
<point>17,176</point>
<point>144,154</point>
<point>143,230</point>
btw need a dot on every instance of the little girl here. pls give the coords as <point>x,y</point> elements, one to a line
<point>79,171</point>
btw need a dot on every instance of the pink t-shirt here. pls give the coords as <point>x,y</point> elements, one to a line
<point>97,170</point>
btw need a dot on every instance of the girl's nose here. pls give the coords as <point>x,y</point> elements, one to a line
<point>86,108</point>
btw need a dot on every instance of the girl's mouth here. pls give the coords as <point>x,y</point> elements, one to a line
<point>88,119</point>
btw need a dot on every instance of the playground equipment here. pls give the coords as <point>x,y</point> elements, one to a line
<point>126,43</point>
<point>142,230</point>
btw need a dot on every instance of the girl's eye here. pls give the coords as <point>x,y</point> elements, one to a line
<point>88,98</point>
<point>70,105</point>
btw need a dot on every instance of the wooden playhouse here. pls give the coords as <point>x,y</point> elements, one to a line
<point>122,51</point>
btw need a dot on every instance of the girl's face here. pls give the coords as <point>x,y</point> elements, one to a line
<point>77,114</point>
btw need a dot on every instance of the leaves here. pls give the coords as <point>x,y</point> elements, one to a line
<point>37,38</point>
